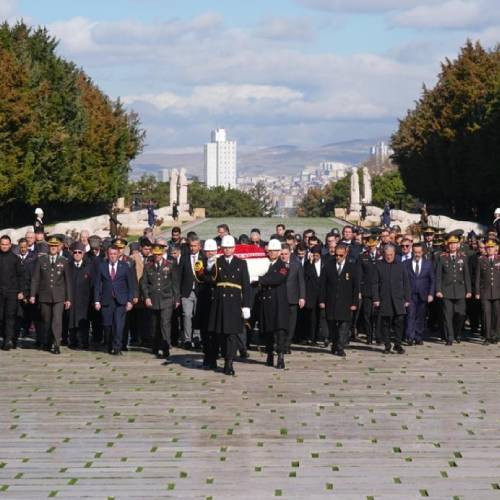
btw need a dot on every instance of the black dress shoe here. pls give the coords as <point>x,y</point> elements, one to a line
<point>244,354</point>
<point>449,342</point>
<point>409,342</point>
<point>341,353</point>
<point>270,360</point>
<point>369,341</point>
<point>7,346</point>
<point>213,365</point>
<point>458,340</point>
<point>387,350</point>
<point>486,342</point>
<point>228,368</point>
<point>419,342</point>
<point>116,352</point>
<point>188,345</point>
<point>56,350</point>
<point>399,349</point>
<point>125,348</point>
<point>281,362</point>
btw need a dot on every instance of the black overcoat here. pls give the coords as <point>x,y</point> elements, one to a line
<point>274,310</point>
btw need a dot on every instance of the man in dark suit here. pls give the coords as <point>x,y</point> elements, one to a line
<point>81,280</point>
<point>312,274</point>
<point>113,294</point>
<point>191,288</point>
<point>487,288</point>
<point>391,294</point>
<point>11,290</point>
<point>422,284</point>
<point>274,317</point>
<point>50,283</point>
<point>339,296</point>
<point>296,291</point>
<point>348,239</point>
<point>453,285</point>
<point>367,262</point>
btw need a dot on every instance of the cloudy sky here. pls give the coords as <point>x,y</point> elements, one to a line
<point>303,72</point>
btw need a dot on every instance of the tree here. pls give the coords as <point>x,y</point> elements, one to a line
<point>447,148</point>
<point>390,187</point>
<point>63,143</point>
<point>260,193</point>
<point>321,202</point>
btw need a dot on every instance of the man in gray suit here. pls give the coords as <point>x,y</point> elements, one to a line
<point>296,290</point>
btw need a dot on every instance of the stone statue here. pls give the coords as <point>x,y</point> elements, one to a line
<point>183,187</point>
<point>355,198</point>
<point>367,186</point>
<point>174,178</point>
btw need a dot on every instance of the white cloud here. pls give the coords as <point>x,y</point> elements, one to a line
<point>8,9</point>
<point>286,29</point>
<point>363,5</point>
<point>452,14</point>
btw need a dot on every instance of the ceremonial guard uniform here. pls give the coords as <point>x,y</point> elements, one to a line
<point>274,313</point>
<point>230,301</point>
<point>453,285</point>
<point>51,284</point>
<point>160,290</point>
<point>487,288</point>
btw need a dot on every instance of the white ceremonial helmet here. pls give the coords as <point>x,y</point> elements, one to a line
<point>274,244</point>
<point>497,211</point>
<point>38,211</point>
<point>228,241</point>
<point>210,245</point>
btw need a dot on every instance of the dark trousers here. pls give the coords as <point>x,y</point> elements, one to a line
<point>415,321</point>
<point>210,344</point>
<point>371,319</point>
<point>491,318</point>
<point>276,340</point>
<point>397,323</point>
<point>176,325</point>
<point>79,335</point>
<point>339,333</point>
<point>474,313</point>
<point>229,346</point>
<point>161,326</point>
<point>96,322</point>
<point>292,323</point>
<point>8,310</point>
<point>113,321</point>
<point>318,326</point>
<point>453,318</point>
<point>52,320</point>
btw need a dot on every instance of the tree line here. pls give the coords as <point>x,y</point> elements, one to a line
<point>64,144</point>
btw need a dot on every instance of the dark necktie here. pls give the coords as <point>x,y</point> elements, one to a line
<point>113,272</point>
<point>417,267</point>
<point>491,261</point>
<point>339,269</point>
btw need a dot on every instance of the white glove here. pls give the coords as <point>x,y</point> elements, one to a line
<point>246,312</point>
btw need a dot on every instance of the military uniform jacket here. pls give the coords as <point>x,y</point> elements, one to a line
<point>231,293</point>
<point>81,281</point>
<point>161,285</point>
<point>51,282</point>
<point>339,293</point>
<point>274,310</point>
<point>367,266</point>
<point>487,279</point>
<point>453,277</point>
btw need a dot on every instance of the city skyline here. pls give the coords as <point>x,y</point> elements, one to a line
<point>300,72</point>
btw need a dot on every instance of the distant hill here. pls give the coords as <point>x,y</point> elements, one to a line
<point>276,160</point>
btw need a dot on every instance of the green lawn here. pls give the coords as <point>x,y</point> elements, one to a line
<point>239,225</point>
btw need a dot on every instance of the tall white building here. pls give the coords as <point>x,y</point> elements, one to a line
<point>381,152</point>
<point>220,160</point>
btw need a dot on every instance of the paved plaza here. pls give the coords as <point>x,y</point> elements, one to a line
<point>88,425</point>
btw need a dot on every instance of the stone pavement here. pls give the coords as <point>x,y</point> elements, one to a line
<point>88,425</point>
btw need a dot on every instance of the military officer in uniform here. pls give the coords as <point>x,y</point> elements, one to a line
<point>453,286</point>
<point>160,289</point>
<point>51,283</point>
<point>230,301</point>
<point>274,305</point>
<point>487,288</point>
<point>427,244</point>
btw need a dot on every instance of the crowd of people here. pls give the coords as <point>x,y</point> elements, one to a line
<point>378,286</point>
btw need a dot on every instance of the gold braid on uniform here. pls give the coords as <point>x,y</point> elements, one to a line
<point>199,268</point>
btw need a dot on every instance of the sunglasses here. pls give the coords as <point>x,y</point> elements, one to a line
<point>77,251</point>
